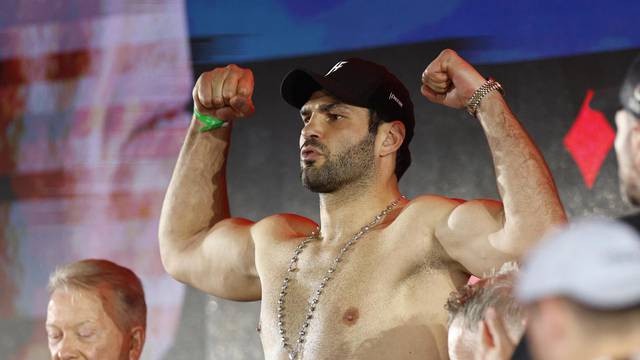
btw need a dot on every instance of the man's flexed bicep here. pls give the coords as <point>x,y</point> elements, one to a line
<point>531,205</point>
<point>473,234</point>
<point>219,261</point>
<point>199,244</point>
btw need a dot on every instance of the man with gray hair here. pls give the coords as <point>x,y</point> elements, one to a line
<point>96,310</point>
<point>485,320</point>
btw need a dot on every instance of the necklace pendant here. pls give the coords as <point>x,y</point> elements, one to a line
<point>293,355</point>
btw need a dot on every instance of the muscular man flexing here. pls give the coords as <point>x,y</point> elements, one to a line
<point>371,280</point>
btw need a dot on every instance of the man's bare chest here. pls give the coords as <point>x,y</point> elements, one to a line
<point>373,288</point>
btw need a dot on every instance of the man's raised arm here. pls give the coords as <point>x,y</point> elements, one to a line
<point>482,234</point>
<point>199,244</point>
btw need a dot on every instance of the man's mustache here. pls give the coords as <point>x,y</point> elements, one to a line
<point>313,142</point>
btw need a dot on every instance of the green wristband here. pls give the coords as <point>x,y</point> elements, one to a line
<point>208,122</point>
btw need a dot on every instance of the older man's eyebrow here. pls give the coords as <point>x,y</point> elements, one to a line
<point>90,321</point>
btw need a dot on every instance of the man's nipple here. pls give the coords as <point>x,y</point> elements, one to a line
<point>350,316</point>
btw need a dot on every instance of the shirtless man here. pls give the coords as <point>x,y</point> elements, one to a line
<point>385,298</point>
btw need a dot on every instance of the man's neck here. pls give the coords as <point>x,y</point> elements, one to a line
<point>344,212</point>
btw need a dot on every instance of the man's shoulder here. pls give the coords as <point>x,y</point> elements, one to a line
<point>435,200</point>
<point>428,209</point>
<point>432,203</point>
<point>465,216</point>
<point>283,226</point>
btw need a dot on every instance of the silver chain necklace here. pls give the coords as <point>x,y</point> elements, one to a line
<point>295,350</point>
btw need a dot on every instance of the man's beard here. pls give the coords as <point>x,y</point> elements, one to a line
<point>355,164</point>
<point>630,191</point>
<point>628,174</point>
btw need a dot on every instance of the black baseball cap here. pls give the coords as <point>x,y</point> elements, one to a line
<point>356,82</point>
<point>630,90</point>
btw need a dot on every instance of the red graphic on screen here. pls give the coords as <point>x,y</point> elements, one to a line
<point>589,140</point>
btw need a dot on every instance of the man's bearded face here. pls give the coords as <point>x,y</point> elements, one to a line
<point>353,164</point>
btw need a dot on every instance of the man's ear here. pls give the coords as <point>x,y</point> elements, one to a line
<point>136,342</point>
<point>485,334</point>
<point>393,135</point>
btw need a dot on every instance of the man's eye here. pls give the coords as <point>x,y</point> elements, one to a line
<point>85,333</point>
<point>335,116</point>
<point>54,335</point>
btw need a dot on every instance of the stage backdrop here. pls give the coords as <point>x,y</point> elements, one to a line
<point>95,102</point>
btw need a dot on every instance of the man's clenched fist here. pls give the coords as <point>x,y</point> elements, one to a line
<point>225,93</point>
<point>450,80</point>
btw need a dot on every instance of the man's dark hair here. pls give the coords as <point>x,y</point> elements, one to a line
<point>403,157</point>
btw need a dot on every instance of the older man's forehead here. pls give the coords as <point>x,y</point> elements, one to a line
<point>74,302</point>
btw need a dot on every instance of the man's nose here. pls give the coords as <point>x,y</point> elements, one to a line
<point>67,349</point>
<point>313,127</point>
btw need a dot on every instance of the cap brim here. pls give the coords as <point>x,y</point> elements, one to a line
<point>299,84</point>
<point>597,260</point>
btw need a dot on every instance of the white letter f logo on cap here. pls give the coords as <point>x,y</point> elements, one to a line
<point>336,67</point>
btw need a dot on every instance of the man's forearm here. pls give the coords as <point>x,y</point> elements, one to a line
<point>197,195</point>
<point>531,201</point>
